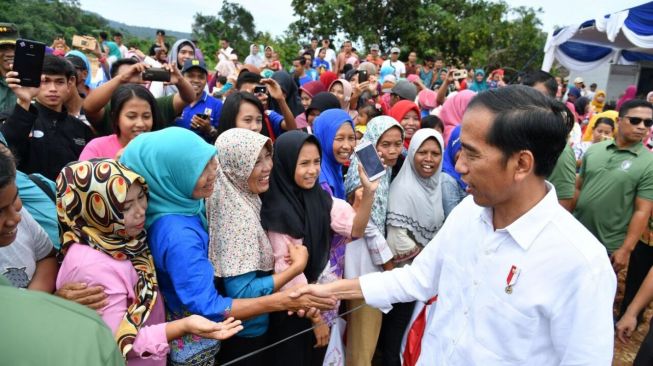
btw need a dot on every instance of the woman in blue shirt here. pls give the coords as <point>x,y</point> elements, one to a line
<point>180,169</point>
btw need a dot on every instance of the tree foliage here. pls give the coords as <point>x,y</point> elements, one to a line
<point>44,20</point>
<point>475,32</point>
<point>236,24</point>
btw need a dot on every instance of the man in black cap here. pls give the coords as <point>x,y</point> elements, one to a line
<point>8,37</point>
<point>203,114</point>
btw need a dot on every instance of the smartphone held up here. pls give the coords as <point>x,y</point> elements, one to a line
<point>370,160</point>
<point>28,62</point>
<point>156,74</point>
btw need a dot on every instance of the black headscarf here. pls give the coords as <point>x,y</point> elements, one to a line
<point>292,93</point>
<point>323,101</point>
<point>291,210</point>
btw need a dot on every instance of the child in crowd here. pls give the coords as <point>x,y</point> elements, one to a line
<point>603,130</point>
<point>365,113</point>
<point>433,122</point>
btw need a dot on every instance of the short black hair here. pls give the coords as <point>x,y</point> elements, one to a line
<point>7,166</point>
<point>222,80</point>
<point>605,120</point>
<point>127,92</point>
<point>161,32</point>
<point>53,65</point>
<point>633,103</point>
<point>247,77</point>
<point>123,61</point>
<point>103,35</point>
<point>313,39</point>
<point>525,119</point>
<point>370,110</point>
<point>539,76</point>
<point>117,34</point>
<point>433,122</point>
<point>231,107</point>
<point>301,60</point>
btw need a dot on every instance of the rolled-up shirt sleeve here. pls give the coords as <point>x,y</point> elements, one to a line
<point>418,281</point>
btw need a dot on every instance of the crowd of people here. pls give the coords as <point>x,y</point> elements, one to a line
<point>198,220</point>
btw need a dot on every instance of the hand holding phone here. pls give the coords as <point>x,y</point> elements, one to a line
<point>156,74</point>
<point>362,76</point>
<point>370,161</point>
<point>28,62</point>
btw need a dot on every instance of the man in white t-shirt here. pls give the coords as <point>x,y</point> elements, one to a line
<point>393,61</point>
<point>519,281</point>
<point>117,37</point>
<point>224,51</point>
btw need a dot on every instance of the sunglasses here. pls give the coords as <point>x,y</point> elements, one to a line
<point>648,122</point>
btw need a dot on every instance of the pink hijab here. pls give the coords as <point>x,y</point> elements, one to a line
<point>347,91</point>
<point>453,110</point>
<point>629,94</point>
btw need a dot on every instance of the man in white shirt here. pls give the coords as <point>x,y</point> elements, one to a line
<point>225,51</point>
<point>117,37</point>
<point>393,61</point>
<point>519,280</point>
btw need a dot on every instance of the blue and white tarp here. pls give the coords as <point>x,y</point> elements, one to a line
<point>625,37</point>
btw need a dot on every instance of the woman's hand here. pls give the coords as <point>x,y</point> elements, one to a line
<point>625,327</point>
<point>368,187</point>
<point>297,257</point>
<point>206,328</point>
<point>92,297</point>
<point>322,332</point>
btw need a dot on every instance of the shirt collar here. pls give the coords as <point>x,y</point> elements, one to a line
<point>635,148</point>
<point>526,228</point>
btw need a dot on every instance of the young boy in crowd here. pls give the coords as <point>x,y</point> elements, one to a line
<point>42,135</point>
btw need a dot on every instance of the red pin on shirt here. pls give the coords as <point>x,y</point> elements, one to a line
<point>511,280</point>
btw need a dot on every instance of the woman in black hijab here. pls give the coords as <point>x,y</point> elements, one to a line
<point>291,92</point>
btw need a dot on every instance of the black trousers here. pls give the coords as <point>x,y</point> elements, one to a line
<point>641,261</point>
<point>297,351</point>
<point>645,355</point>
<point>392,332</point>
<point>235,347</point>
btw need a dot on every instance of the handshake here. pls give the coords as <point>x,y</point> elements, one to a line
<point>307,300</point>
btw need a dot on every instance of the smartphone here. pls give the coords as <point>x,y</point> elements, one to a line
<point>362,76</point>
<point>84,42</point>
<point>460,74</point>
<point>260,89</point>
<point>28,62</point>
<point>156,74</point>
<point>370,160</point>
<point>202,115</point>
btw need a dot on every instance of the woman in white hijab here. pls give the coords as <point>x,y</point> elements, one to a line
<point>254,57</point>
<point>415,212</point>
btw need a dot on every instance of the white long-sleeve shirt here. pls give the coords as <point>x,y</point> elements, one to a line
<point>559,311</point>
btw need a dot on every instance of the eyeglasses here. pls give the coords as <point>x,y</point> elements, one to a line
<point>648,122</point>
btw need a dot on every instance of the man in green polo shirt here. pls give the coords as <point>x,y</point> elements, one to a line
<point>616,184</point>
<point>41,329</point>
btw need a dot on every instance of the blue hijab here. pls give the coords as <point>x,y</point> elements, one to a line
<point>81,55</point>
<point>449,163</point>
<point>325,127</point>
<point>171,161</point>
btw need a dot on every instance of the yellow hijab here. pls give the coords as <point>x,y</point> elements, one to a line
<point>598,107</point>
<point>587,136</point>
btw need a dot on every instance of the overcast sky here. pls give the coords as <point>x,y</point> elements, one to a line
<point>275,16</point>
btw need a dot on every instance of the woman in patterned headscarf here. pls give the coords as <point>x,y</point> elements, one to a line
<point>101,208</point>
<point>238,246</point>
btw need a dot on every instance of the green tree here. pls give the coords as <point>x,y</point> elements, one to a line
<point>233,22</point>
<point>476,32</point>
<point>43,20</point>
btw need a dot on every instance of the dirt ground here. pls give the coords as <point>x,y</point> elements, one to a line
<point>624,354</point>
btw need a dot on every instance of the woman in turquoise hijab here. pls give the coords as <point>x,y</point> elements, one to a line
<point>479,84</point>
<point>180,169</point>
